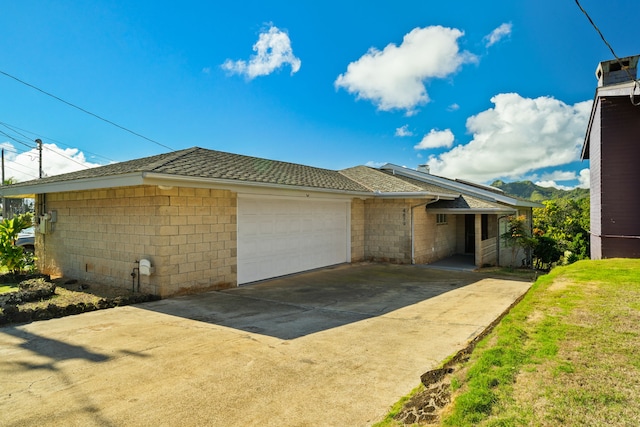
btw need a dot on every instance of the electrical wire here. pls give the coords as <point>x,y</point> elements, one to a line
<point>43,146</point>
<point>37,135</point>
<point>636,82</point>
<point>65,156</point>
<point>84,111</point>
<point>16,140</point>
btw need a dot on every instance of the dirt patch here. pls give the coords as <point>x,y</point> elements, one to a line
<point>69,298</point>
<point>426,406</point>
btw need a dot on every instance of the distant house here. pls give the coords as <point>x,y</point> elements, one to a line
<point>612,144</point>
<point>205,219</point>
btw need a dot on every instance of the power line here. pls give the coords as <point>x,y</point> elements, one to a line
<point>636,82</point>
<point>84,111</point>
<point>14,139</point>
<point>44,146</point>
<point>66,157</point>
<point>13,128</point>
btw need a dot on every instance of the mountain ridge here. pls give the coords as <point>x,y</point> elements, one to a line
<point>530,191</point>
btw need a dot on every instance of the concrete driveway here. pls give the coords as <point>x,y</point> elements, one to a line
<point>334,347</point>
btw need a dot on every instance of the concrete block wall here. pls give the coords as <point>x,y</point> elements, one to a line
<point>357,230</point>
<point>433,241</point>
<point>388,230</point>
<point>188,234</point>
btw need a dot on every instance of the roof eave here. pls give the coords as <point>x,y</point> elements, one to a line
<point>30,190</point>
<point>463,211</point>
<point>458,186</point>
<point>527,204</point>
<point>415,195</point>
<point>620,89</point>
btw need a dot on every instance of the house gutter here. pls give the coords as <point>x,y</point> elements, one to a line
<point>413,243</point>
<point>414,195</point>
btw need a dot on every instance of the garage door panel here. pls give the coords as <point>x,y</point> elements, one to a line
<point>284,236</point>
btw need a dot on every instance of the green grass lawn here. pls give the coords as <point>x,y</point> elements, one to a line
<point>567,354</point>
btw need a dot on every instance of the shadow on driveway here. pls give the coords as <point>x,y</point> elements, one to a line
<point>298,305</point>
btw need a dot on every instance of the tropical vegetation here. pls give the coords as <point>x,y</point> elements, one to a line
<point>560,228</point>
<point>13,257</point>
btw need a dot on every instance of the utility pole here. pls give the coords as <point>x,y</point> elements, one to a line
<point>39,142</point>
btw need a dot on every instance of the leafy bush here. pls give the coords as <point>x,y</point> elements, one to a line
<point>546,252</point>
<point>13,257</point>
<point>567,222</point>
<point>517,237</point>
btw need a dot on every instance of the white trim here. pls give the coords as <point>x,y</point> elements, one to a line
<point>462,211</point>
<point>126,180</point>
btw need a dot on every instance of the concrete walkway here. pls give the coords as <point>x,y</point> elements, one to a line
<point>334,347</point>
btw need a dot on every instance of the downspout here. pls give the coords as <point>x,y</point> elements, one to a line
<point>413,245</point>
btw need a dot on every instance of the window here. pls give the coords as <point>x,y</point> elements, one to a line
<point>441,218</point>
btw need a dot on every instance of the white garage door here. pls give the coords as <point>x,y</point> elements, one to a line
<point>284,236</point>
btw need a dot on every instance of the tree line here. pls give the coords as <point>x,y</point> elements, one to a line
<point>560,229</point>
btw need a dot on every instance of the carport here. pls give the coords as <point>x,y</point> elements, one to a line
<point>336,346</point>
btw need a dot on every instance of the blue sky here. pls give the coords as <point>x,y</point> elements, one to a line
<point>478,90</point>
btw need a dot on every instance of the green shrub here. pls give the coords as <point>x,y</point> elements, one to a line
<point>12,257</point>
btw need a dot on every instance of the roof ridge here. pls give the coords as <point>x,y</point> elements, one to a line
<point>353,180</point>
<point>170,157</point>
<point>371,185</point>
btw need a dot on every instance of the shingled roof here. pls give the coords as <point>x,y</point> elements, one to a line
<point>198,162</point>
<point>421,185</point>
<point>467,204</point>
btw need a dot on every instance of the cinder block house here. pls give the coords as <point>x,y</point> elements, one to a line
<point>206,219</point>
<point>612,145</point>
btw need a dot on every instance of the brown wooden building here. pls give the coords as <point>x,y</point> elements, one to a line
<point>612,144</point>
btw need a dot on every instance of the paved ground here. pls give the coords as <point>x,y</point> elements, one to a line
<point>334,347</point>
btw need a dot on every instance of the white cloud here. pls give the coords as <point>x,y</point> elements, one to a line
<point>552,179</point>
<point>559,176</point>
<point>273,50</point>
<point>24,166</point>
<point>403,131</point>
<point>498,34</point>
<point>453,107</point>
<point>584,178</point>
<point>436,139</point>
<point>553,184</point>
<point>394,77</point>
<point>517,136</point>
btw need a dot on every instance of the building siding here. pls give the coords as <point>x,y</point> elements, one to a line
<point>388,230</point>
<point>620,197</point>
<point>595,167</point>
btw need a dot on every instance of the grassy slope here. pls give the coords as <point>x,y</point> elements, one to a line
<point>566,355</point>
